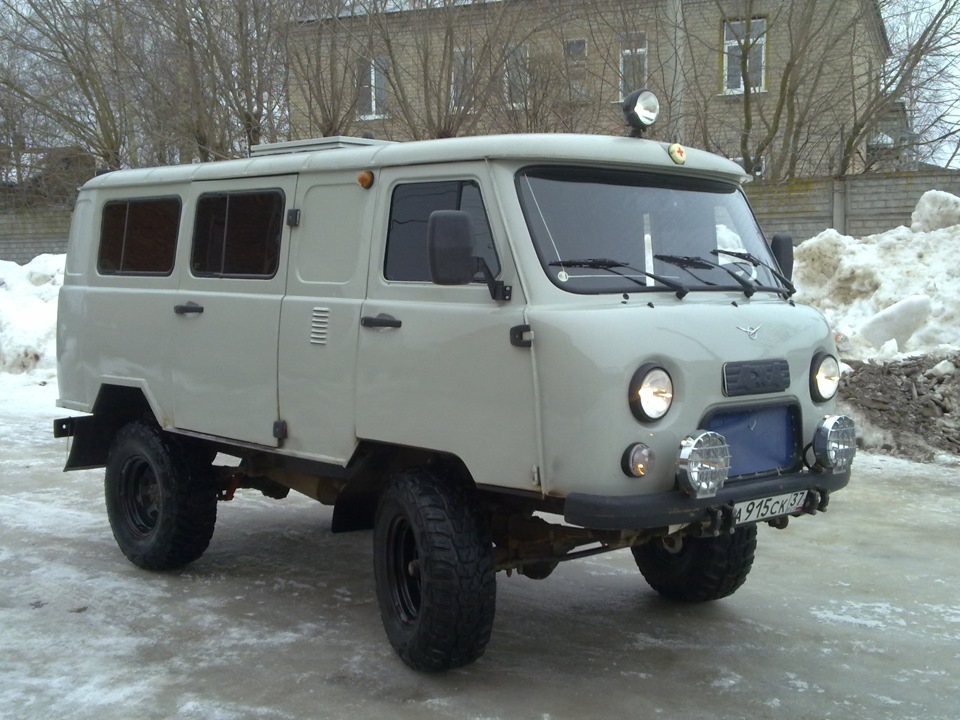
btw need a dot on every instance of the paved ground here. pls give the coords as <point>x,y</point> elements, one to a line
<point>851,614</point>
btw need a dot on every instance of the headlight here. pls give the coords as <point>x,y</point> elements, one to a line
<point>704,464</point>
<point>651,393</point>
<point>824,377</point>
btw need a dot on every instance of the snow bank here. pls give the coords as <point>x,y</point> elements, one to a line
<point>28,314</point>
<point>892,294</point>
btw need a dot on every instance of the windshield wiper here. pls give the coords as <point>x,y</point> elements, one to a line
<point>687,261</point>
<point>756,262</point>
<point>612,265</point>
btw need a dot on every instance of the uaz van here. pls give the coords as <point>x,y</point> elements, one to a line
<point>498,353</point>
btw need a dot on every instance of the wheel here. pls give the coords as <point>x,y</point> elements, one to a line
<point>161,506</point>
<point>434,570</point>
<point>699,569</point>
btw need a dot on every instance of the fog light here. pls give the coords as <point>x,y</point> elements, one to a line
<point>637,460</point>
<point>704,464</point>
<point>835,442</point>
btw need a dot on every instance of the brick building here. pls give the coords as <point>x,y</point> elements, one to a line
<point>778,84</point>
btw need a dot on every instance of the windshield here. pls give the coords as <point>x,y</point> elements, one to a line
<point>612,231</point>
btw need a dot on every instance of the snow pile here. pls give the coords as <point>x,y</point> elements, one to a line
<point>28,314</point>
<point>891,295</point>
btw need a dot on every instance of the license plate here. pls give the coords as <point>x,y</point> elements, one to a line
<point>754,510</point>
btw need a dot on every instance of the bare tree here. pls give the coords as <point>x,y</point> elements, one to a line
<point>921,76</point>
<point>323,49</point>
<point>73,69</point>
<point>838,83</point>
<point>445,62</point>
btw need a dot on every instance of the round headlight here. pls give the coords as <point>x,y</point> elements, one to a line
<point>824,377</point>
<point>651,393</point>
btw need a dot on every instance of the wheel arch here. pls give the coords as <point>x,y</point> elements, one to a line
<point>370,469</point>
<point>115,406</point>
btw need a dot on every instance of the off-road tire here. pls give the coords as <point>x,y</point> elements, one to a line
<point>434,569</point>
<point>161,504</point>
<point>703,569</point>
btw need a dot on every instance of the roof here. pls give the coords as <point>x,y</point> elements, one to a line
<point>356,153</point>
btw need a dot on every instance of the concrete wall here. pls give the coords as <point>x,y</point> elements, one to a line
<point>858,205</point>
<point>24,234</point>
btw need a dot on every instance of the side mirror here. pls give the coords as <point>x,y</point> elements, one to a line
<point>782,246</point>
<point>450,247</point>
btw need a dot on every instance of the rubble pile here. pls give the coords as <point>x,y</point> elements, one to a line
<point>909,408</point>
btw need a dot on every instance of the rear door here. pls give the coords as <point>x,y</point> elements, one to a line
<point>437,368</point>
<point>227,315</point>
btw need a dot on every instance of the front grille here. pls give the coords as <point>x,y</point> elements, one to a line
<point>762,440</point>
<point>755,377</point>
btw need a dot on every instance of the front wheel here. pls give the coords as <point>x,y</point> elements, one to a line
<point>433,563</point>
<point>698,569</point>
<point>162,509</point>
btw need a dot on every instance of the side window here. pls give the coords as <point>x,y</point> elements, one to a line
<point>237,234</point>
<point>407,235</point>
<point>139,236</point>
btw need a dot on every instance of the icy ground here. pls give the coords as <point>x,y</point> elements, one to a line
<point>851,614</point>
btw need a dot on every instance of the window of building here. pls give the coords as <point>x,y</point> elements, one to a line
<point>744,37</point>
<point>575,63</point>
<point>139,236</point>
<point>516,76</point>
<point>462,82</point>
<point>406,257</point>
<point>575,51</point>
<point>372,87</point>
<point>237,234</point>
<point>633,63</point>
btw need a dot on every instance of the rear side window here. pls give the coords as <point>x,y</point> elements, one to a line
<point>237,234</point>
<point>407,236</point>
<point>139,236</point>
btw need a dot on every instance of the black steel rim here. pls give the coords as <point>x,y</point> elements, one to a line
<point>403,566</point>
<point>140,497</point>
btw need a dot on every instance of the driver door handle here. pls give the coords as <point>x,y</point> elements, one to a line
<point>380,321</point>
<point>191,308</point>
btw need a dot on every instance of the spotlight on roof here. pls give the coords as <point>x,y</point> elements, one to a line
<point>640,109</point>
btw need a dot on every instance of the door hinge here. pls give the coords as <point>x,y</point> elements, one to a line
<point>521,336</point>
<point>293,217</point>
<point>536,475</point>
<point>280,429</point>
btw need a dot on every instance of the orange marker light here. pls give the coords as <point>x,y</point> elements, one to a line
<point>365,179</point>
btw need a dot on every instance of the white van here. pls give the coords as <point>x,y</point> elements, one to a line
<point>499,353</point>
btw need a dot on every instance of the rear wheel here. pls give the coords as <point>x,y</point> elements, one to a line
<point>698,569</point>
<point>433,562</point>
<point>161,505</point>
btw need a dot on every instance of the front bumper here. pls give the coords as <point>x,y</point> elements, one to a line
<point>640,512</point>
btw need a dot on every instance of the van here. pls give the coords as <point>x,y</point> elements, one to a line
<point>496,353</point>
